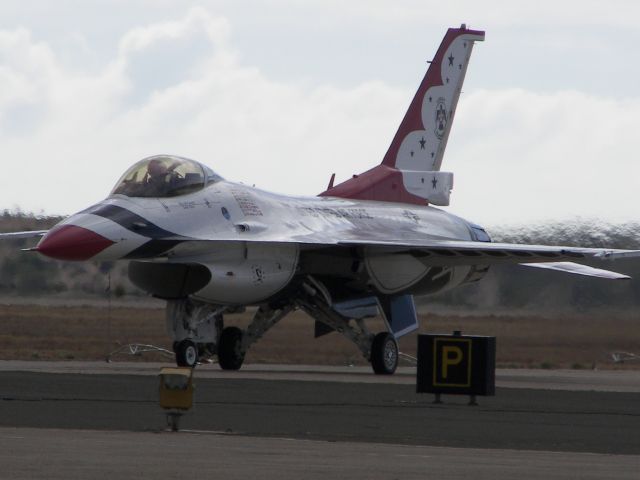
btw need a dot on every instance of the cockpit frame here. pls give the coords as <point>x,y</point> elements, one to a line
<point>163,176</point>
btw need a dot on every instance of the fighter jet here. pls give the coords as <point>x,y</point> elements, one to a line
<point>360,249</point>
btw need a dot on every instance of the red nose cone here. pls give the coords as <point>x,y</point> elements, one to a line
<point>69,242</point>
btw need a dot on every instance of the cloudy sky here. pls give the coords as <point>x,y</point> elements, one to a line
<point>281,94</point>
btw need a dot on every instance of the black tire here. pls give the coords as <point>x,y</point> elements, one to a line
<point>230,355</point>
<point>186,354</point>
<point>384,354</point>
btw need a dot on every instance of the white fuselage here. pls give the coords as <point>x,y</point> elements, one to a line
<point>250,240</point>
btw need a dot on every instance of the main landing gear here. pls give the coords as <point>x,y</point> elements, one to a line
<point>199,333</point>
<point>380,349</point>
<point>230,352</point>
<point>384,354</point>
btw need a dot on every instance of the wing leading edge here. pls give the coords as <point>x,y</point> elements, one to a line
<point>456,252</point>
<point>27,234</point>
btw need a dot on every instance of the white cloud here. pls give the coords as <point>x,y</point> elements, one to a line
<point>27,69</point>
<point>215,110</point>
<point>179,86</point>
<point>521,155</point>
<point>496,12</point>
<point>196,21</point>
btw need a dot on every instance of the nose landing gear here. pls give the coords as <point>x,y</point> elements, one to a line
<point>186,353</point>
<point>195,328</point>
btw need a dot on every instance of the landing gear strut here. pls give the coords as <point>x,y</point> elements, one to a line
<point>381,349</point>
<point>234,343</point>
<point>198,332</point>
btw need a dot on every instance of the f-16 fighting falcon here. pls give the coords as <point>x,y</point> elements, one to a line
<point>362,248</point>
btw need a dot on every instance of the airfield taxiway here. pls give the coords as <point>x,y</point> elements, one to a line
<point>95,420</point>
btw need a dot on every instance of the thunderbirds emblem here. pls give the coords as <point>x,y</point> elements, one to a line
<point>441,118</point>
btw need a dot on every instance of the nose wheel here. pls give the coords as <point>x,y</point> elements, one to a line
<point>384,354</point>
<point>186,353</point>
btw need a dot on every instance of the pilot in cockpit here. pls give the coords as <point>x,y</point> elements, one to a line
<point>164,176</point>
<point>159,177</point>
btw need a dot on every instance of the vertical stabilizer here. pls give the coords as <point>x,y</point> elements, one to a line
<point>410,170</point>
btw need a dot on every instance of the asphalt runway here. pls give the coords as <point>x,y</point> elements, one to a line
<point>91,420</point>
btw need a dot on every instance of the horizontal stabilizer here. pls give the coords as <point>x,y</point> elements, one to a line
<point>435,187</point>
<point>577,269</point>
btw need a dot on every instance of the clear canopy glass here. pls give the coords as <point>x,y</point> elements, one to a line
<point>164,176</point>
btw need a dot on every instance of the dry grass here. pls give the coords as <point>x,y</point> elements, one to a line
<point>89,333</point>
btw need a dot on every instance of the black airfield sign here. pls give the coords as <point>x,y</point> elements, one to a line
<point>456,364</point>
<point>452,360</point>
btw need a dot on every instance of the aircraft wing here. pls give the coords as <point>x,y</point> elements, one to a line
<point>442,252</point>
<point>483,251</point>
<point>27,234</point>
<point>457,252</point>
<point>431,250</point>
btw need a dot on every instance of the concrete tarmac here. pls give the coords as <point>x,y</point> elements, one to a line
<point>84,454</point>
<point>313,422</point>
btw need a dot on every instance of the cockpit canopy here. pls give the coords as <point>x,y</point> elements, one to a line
<point>164,176</point>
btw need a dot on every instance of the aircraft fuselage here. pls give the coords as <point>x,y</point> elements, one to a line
<point>253,243</point>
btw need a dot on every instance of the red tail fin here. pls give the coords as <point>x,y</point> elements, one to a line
<point>409,172</point>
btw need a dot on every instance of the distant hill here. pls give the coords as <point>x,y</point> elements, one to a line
<point>29,273</point>
<point>581,232</point>
<point>515,287</point>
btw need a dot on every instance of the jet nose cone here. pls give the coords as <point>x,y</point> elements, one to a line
<point>69,242</point>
